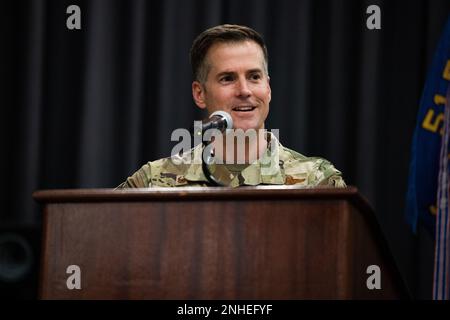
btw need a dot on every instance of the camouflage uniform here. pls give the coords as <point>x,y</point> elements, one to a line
<point>278,165</point>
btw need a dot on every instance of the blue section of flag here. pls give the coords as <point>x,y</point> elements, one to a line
<point>426,144</point>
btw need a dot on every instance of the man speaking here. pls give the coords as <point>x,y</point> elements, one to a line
<point>230,67</point>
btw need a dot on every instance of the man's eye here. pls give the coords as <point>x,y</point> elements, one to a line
<point>255,76</point>
<point>226,79</point>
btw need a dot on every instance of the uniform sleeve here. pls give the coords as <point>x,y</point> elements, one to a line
<point>140,179</point>
<point>331,176</point>
<point>336,181</point>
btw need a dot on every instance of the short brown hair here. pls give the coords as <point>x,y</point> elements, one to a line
<point>222,33</point>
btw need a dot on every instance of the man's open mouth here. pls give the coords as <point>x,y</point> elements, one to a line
<point>243,108</point>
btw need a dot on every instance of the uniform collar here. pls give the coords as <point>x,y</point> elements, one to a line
<point>265,170</point>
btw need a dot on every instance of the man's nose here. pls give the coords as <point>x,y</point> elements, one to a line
<point>243,89</point>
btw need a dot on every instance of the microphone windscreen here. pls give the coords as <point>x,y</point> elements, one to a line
<point>224,115</point>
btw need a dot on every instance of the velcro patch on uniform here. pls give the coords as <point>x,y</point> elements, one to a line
<point>292,180</point>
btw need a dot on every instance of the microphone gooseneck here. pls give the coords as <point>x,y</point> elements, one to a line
<point>222,121</point>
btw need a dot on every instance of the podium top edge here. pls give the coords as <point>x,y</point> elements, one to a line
<point>191,193</point>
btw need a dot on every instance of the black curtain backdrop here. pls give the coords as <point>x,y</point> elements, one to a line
<point>86,108</point>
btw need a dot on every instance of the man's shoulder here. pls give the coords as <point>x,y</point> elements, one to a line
<point>314,170</point>
<point>289,156</point>
<point>163,172</point>
<point>168,171</point>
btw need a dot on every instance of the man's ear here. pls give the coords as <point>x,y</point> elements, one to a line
<point>198,93</point>
<point>270,90</point>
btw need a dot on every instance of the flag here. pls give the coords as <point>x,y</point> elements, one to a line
<point>421,196</point>
<point>428,187</point>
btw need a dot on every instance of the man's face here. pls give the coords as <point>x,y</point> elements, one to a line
<point>236,83</point>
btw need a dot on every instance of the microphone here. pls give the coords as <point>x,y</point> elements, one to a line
<point>220,120</point>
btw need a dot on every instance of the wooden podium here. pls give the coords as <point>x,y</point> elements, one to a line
<point>263,242</point>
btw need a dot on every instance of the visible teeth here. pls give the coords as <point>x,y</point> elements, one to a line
<point>243,108</point>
